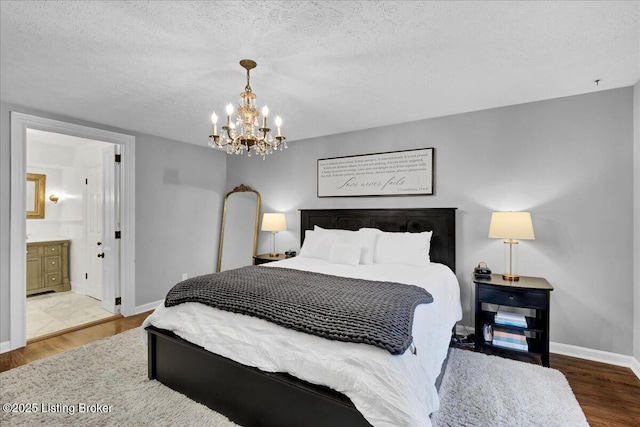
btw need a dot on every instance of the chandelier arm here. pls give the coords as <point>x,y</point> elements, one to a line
<point>265,131</point>
<point>220,144</point>
<point>227,129</point>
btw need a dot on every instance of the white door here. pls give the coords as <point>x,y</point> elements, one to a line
<point>94,225</point>
<point>110,255</point>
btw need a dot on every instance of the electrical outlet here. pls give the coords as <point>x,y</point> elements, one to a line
<point>185,276</point>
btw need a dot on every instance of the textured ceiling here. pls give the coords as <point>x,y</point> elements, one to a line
<point>325,67</point>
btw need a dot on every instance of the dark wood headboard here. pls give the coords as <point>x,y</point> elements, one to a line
<point>442,221</point>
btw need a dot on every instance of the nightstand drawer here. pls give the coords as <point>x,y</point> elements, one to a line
<point>525,299</point>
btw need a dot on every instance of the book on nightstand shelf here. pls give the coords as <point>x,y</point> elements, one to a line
<point>512,340</point>
<point>511,345</point>
<point>510,319</point>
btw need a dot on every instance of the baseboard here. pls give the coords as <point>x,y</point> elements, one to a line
<point>79,288</point>
<point>5,346</point>
<point>596,356</point>
<point>580,352</point>
<point>635,366</point>
<point>148,307</point>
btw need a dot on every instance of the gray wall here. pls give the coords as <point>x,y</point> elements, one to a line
<point>569,161</point>
<point>179,190</point>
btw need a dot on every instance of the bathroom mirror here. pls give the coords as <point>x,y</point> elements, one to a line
<point>36,184</point>
<point>239,233</point>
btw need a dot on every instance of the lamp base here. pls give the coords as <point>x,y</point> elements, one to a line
<point>510,277</point>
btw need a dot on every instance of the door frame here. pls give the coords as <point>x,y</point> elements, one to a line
<point>20,122</point>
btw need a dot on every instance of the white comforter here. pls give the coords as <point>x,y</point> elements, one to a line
<point>388,390</point>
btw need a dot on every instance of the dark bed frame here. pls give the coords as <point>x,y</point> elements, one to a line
<point>251,397</point>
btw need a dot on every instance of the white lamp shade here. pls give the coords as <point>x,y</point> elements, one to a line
<point>511,225</point>
<point>274,222</point>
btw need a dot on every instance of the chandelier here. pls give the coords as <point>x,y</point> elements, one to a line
<point>245,132</point>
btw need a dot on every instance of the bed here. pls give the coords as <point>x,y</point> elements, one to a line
<point>250,379</point>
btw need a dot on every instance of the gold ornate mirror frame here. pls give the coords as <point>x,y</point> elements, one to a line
<point>35,205</point>
<point>232,228</point>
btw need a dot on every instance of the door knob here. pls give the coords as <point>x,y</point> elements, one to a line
<point>99,243</point>
<point>101,255</point>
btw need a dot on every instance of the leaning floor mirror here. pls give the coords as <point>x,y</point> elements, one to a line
<point>239,232</point>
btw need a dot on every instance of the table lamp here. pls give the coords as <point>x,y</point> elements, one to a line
<point>273,222</point>
<point>511,226</point>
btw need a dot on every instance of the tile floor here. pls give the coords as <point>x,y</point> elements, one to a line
<point>47,313</point>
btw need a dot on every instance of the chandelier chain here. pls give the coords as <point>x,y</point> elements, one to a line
<point>247,88</point>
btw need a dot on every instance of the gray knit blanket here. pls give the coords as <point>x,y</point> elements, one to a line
<point>332,307</point>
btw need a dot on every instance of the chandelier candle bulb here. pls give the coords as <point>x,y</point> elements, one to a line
<point>278,124</point>
<point>214,121</point>
<point>265,113</point>
<point>229,113</point>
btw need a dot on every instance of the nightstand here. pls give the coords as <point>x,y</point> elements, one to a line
<point>265,258</point>
<point>529,292</point>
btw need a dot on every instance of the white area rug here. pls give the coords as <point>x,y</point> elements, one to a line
<point>110,372</point>
<point>482,390</point>
<point>105,384</point>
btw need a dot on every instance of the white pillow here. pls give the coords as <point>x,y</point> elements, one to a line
<point>368,238</point>
<point>365,240</point>
<point>314,246</point>
<point>403,248</point>
<point>345,253</point>
<point>334,233</point>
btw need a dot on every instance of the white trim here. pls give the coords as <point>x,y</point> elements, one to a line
<point>17,272</point>
<point>636,222</point>
<point>635,366</point>
<point>596,356</point>
<point>148,307</point>
<point>581,353</point>
<point>127,226</point>
<point>5,346</point>
<point>17,235</point>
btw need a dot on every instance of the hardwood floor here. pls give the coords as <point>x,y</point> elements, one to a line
<point>609,395</point>
<point>67,341</point>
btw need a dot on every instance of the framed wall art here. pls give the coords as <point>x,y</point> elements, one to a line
<point>395,173</point>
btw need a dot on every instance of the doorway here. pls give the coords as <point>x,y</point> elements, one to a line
<point>65,287</point>
<point>123,252</point>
